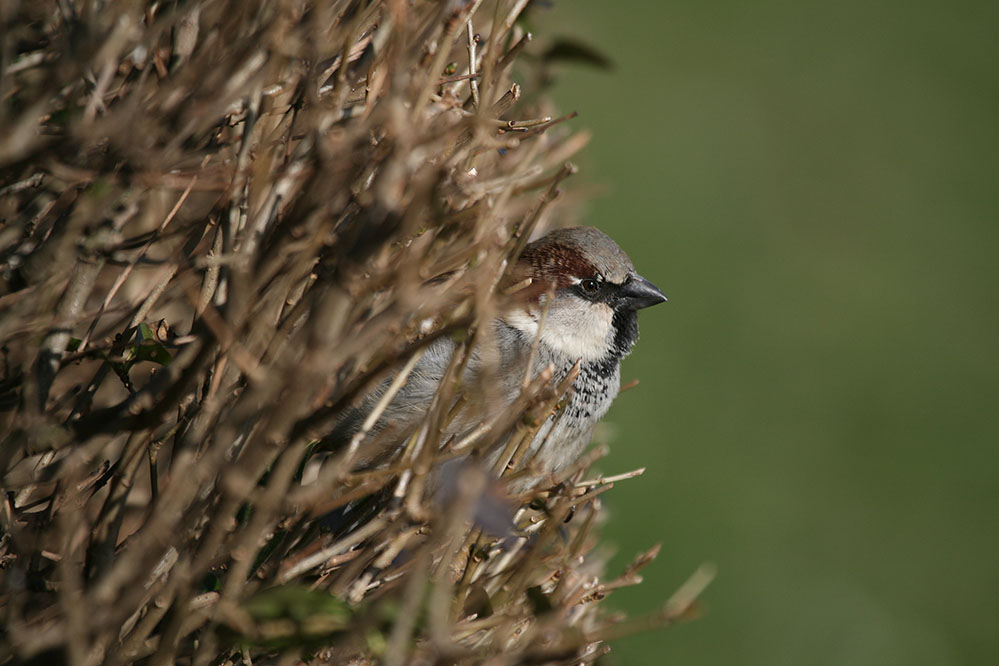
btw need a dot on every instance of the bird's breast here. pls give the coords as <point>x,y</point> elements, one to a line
<point>561,441</point>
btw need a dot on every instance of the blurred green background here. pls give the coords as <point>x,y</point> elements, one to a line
<point>814,185</point>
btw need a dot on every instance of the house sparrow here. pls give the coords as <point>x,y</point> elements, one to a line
<point>581,306</point>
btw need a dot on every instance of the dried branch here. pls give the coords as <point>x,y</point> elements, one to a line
<point>229,227</point>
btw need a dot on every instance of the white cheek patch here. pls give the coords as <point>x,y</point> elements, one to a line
<point>522,321</point>
<point>580,330</point>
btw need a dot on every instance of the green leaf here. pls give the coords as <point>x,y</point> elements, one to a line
<point>211,583</point>
<point>291,616</point>
<point>539,600</point>
<point>148,348</point>
<point>574,51</point>
<point>299,603</point>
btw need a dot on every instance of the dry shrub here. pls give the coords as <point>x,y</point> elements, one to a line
<point>223,221</point>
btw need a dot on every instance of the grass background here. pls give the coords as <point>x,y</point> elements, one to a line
<point>814,186</point>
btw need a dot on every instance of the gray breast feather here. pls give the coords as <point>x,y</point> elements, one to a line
<point>488,389</point>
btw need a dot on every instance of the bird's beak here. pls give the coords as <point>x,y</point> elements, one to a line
<point>637,293</point>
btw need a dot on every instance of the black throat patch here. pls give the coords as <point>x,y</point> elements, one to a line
<point>625,323</point>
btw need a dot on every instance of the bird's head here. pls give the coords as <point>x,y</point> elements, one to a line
<point>594,294</point>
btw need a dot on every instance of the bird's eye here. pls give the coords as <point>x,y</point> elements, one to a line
<point>590,285</point>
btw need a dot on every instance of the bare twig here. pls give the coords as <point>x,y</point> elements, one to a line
<point>322,206</point>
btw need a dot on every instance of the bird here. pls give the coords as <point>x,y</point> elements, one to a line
<point>578,313</point>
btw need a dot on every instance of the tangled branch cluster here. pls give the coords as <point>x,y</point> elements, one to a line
<point>223,221</point>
